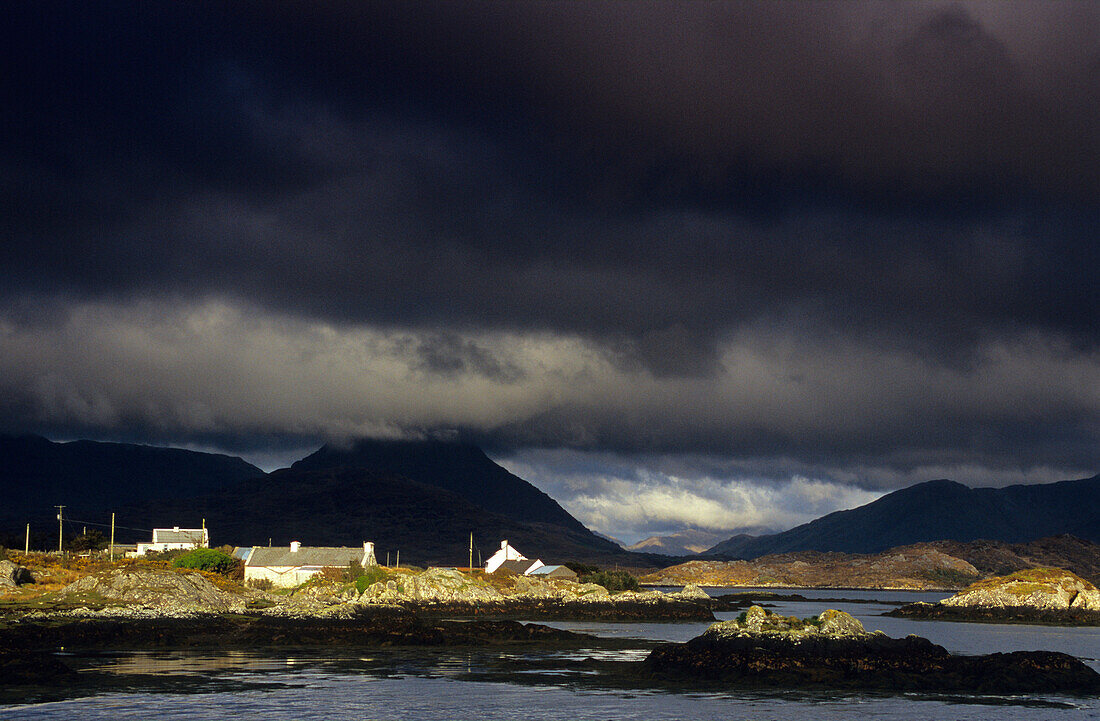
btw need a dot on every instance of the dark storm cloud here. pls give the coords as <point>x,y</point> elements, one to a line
<point>810,232</point>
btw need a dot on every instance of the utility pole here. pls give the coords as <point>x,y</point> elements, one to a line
<point>399,558</point>
<point>387,559</point>
<point>60,527</point>
<point>471,551</point>
<point>112,535</point>
<point>27,543</point>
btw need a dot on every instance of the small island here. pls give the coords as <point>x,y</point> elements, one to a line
<point>833,650</point>
<point>1050,596</point>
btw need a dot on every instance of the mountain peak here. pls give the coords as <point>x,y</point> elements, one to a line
<point>459,467</point>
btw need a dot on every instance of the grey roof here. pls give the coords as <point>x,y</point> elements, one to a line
<point>519,567</point>
<point>305,556</point>
<point>554,571</point>
<point>242,552</point>
<point>183,535</point>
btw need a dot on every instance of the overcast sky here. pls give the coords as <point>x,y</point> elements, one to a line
<point>701,263</point>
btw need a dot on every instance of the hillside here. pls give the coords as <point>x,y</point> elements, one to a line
<point>92,479</point>
<point>347,505</point>
<point>461,468</point>
<point>939,510</point>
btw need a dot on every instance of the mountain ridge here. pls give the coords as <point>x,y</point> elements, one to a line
<point>939,510</point>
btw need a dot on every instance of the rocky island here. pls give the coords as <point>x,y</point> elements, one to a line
<point>833,650</point>
<point>1038,595</point>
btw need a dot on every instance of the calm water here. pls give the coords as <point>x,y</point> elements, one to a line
<point>438,685</point>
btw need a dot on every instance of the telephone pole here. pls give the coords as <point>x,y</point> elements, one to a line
<point>112,535</point>
<point>471,551</point>
<point>60,527</point>
<point>27,543</point>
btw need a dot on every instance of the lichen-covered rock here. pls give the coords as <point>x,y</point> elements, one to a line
<point>1038,588</point>
<point>164,592</point>
<point>12,575</point>
<point>692,592</point>
<point>436,585</point>
<point>758,621</point>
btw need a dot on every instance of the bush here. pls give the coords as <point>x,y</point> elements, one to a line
<point>613,581</point>
<point>369,577</point>
<point>581,569</point>
<point>262,584</point>
<point>208,559</point>
<point>93,540</point>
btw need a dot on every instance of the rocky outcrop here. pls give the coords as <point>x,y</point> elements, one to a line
<point>167,593</point>
<point>1042,588</point>
<point>12,575</point>
<point>833,650</point>
<point>1036,595</point>
<point>440,591</point>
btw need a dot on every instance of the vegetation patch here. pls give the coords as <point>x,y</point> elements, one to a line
<point>208,559</point>
<point>613,581</point>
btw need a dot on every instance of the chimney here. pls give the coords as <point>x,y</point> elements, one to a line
<point>294,546</point>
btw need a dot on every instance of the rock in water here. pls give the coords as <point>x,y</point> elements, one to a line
<point>833,650</point>
<point>1039,588</point>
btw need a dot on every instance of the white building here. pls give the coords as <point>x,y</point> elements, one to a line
<point>291,566</point>
<point>170,539</point>
<point>511,559</point>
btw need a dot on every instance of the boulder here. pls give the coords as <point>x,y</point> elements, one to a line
<point>163,591</point>
<point>12,575</point>
<point>1050,589</point>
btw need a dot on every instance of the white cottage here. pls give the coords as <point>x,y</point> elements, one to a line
<point>290,566</point>
<point>171,539</point>
<point>512,560</point>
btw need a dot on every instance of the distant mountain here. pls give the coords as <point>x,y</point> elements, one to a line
<point>690,541</point>
<point>461,468</point>
<point>91,479</point>
<point>348,505</point>
<point>939,510</point>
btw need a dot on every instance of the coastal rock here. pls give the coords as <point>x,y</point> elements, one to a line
<point>1036,595</point>
<point>1039,588</point>
<point>759,622</point>
<point>165,592</point>
<point>12,575</point>
<point>833,650</point>
<point>436,585</point>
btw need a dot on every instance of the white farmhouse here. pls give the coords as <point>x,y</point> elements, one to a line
<point>512,560</point>
<point>290,566</point>
<point>171,539</point>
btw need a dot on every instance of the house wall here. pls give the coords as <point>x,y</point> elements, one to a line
<point>281,576</point>
<point>143,548</point>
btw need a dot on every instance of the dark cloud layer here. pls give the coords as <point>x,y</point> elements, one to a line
<point>670,201</point>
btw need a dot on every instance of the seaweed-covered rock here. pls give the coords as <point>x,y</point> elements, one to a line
<point>1036,595</point>
<point>834,650</point>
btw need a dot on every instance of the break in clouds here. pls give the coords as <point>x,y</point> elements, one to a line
<point>711,264</point>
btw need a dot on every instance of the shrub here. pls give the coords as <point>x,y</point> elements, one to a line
<point>207,559</point>
<point>581,569</point>
<point>92,540</point>
<point>613,581</point>
<point>262,584</point>
<point>369,577</point>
